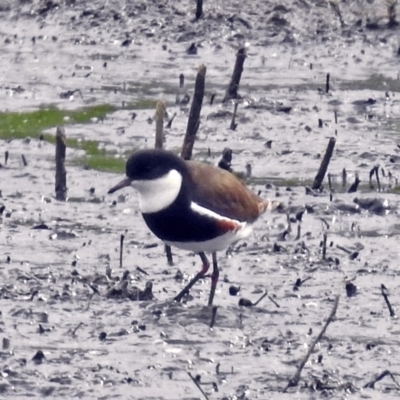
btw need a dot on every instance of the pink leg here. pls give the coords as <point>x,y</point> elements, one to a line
<point>214,279</point>
<point>206,266</point>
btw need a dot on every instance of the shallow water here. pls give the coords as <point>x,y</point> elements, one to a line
<point>47,300</point>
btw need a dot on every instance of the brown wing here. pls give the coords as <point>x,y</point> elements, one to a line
<point>219,190</point>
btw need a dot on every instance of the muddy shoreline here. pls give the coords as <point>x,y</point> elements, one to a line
<point>58,260</point>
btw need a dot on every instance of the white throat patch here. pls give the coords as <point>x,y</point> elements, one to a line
<point>157,194</point>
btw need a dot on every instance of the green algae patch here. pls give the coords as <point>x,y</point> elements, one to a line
<point>396,189</point>
<point>15,125</point>
<point>20,125</point>
<point>102,162</point>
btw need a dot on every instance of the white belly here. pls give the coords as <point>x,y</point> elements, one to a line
<point>216,244</point>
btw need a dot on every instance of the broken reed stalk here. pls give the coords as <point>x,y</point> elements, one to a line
<point>198,386</point>
<point>371,384</point>
<point>181,85</point>
<point>169,124</point>
<point>344,178</point>
<point>298,231</point>
<point>385,295</point>
<point>335,7</point>
<point>121,249</point>
<point>324,164</point>
<point>73,333</point>
<point>233,122</point>
<point>260,299</point>
<point>168,253</point>
<point>328,76</point>
<point>371,174</point>
<point>212,98</point>
<point>343,249</point>
<point>159,117</point>
<point>61,173</point>
<point>294,381</point>
<point>199,9</point>
<point>324,246</point>
<point>274,302</point>
<point>330,182</point>
<point>194,115</point>
<point>23,158</point>
<point>289,223</point>
<point>232,91</point>
<point>377,178</point>
<point>353,188</point>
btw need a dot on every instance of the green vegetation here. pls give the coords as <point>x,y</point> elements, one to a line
<point>16,125</point>
<point>102,162</point>
<point>396,189</point>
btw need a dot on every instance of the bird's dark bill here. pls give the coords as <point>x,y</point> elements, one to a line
<point>124,183</point>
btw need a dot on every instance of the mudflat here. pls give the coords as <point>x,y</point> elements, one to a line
<point>66,330</point>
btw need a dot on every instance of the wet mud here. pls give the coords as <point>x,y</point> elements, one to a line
<point>75,324</point>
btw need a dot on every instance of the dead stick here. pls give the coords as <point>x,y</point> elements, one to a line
<point>325,222</point>
<point>371,384</point>
<point>289,223</point>
<point>199,9</point>
<point>261,298</point>
<point>353,188</point>
<point>377,178</point>
<point>24,160</point>
<point>61,173</point>
<point>330,182</point>
<point>386,297</point>
<point>327,83</point>
<point>324,246</point>
<point>192,127</point>
<point>343,249</point>
<point>180,90</point>
<point>198,386</point>
<point>232,91</point>
<point>298,231</point>
<point>194,115</point>
<point>233,122</point>
<point>212,98</point>
<point>273,301</point>
<point>121,249</point>
<point>296,377</point>
<point>371,174</point>
<point>324,164</point>
<point>169,124</point>
<point>159,117</point>
<point>344,178</point>
<point>73,333</point>
<point>168,253</point>
<point>336,8</point>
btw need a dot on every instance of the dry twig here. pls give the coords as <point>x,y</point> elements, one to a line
<point>296,377</point>
<point>198,386</point>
